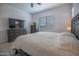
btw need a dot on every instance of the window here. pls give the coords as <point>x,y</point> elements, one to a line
<point>46,23</point>
<point>43,21</point>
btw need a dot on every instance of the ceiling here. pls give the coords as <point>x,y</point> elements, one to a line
<point>37,8</point>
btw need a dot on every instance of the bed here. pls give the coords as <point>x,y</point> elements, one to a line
<point>49,43</point>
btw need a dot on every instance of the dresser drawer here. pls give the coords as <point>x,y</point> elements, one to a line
<point>14,33</point>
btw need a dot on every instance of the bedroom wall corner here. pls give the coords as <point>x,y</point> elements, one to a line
<point>7,11</point>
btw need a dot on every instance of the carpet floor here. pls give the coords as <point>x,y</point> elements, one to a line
<point>5,49</point>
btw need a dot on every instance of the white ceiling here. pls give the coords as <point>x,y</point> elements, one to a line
<point>37,8</point>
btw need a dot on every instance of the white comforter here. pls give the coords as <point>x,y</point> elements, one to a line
<point>48,44</point>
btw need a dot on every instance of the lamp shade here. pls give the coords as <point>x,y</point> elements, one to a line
<point>68,28</point>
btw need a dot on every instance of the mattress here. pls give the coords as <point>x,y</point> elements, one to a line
<point>48,44</point>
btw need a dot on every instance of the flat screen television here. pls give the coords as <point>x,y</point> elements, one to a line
<point>16,23</point>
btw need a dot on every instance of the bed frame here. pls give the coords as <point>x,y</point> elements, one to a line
<point>75,26</point>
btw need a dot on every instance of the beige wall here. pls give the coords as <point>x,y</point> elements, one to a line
<point>62,14</point>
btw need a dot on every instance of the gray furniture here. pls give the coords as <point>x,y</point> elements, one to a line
<point>14,33</point>
<point>75,26</point>
<point>16,28</point>
<point>33,28</point>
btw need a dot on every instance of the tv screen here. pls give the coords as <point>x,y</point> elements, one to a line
<point>13,23</point>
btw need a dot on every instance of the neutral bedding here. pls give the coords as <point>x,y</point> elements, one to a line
<point>48,44</point>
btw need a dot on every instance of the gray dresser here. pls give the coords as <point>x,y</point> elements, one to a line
<point>14,33</point>
<point>16,28</point>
